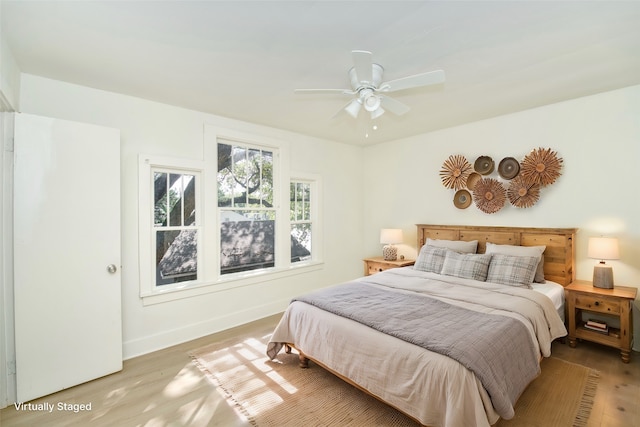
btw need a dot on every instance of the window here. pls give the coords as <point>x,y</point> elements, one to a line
<point>224,221</point>
<point>300,217</point>
<point>246,207</point>
<point>175,233</point>
<point>170,224</point>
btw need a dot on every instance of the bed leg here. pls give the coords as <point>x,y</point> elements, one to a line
<point>287,348</point>
<point>304,362</point>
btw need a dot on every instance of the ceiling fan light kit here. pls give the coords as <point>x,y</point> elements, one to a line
<point>353,108</point>
<point>371,100</point>
<point>367,86</point>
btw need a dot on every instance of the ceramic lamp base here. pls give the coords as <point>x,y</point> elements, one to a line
<point>603,276</point>
<point>390,253</point>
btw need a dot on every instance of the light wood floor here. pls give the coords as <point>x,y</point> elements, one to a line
<point>166,389</point>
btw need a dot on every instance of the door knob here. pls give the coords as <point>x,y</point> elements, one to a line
<point>111,268</point>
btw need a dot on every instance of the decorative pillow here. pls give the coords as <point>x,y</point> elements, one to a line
<point>455,245</point>
<point>430,259</point>
<point>467,266</point>
<point>512,270</point>
<point>534,251</point>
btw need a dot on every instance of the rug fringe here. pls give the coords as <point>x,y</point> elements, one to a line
<point>586,403</point>
<point>227,394</point>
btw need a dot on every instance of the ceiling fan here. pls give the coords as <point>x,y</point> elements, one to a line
<point>370,91</point>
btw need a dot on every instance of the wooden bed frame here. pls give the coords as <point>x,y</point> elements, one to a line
<point>559,256</point>
<point>559,261</point>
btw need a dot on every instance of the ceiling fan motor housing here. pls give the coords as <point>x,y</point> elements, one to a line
<point>366,89</point>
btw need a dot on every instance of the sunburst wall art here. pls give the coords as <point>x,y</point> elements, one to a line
<point>519,182</point>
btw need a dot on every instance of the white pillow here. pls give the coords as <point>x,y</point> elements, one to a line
<point>455,245</point>
<point>528,251</point>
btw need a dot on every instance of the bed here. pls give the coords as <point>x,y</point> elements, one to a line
<point>436,340</point>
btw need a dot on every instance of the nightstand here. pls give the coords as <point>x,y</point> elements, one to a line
<point>378,264</point>
<point>615,305</point>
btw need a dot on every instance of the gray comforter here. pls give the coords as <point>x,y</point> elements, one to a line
<point>496,348</point>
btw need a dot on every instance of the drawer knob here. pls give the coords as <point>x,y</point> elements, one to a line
<point>597,303</point>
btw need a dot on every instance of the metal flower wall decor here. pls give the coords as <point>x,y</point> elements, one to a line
<point>520,184</point>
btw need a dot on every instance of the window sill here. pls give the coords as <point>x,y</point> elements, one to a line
<point>226,283</point>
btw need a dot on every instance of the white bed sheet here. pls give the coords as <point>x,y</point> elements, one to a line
<point>555,292</point>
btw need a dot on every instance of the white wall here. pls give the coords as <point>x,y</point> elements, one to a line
<point>598,138</point>
<point>163,130</point>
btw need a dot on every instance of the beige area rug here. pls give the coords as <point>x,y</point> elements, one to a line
<point>280,393</point>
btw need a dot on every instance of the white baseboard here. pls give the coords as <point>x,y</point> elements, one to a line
<point>190,332</point>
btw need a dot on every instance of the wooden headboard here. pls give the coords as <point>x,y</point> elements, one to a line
<point>559,257</point>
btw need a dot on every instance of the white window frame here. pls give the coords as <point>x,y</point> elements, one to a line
<point>207,216</point>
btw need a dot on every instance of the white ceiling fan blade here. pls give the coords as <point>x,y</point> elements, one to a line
<point>315,91</point>
<point>363,65</point>
<point>396,107</point>
<point>417,80</point>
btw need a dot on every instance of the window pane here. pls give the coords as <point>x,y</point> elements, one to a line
<point>292,201</point>
<point>226,182</point>
<point>189,200</point>
<point>300,205</point>
<point>245,177</point>
<point>299,201</point>
<point>247,240</point>
<point>160,199</point>
<point>253,178</point>
<point>306,205</point>
<point>176,256</point>
<point>266,187</point>
<point>300,242</point>
<point>239,173</point>
<point>177,206</point>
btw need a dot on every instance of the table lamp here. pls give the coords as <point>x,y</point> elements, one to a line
<point>389,236</point>
<point>603,248</point>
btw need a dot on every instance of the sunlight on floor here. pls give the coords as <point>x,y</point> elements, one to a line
<point>112,399</point>
<point>255,383</point>
<point>185,381</point>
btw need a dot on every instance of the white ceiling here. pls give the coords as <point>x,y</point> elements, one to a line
<point>243,60</point>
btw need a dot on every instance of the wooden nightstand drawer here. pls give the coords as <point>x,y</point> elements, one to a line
<point>597,303</point>
<point>377,264</point>
<point>376,267</point>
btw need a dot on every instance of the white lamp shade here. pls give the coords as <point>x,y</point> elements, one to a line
<point>390,235</point>
<point>371,102</point>
<point>603,248</point>
<point>354,108</point>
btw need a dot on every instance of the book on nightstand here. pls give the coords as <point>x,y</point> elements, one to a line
<point>596,325</point>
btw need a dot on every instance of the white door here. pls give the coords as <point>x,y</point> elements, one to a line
<point>68,326</point>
